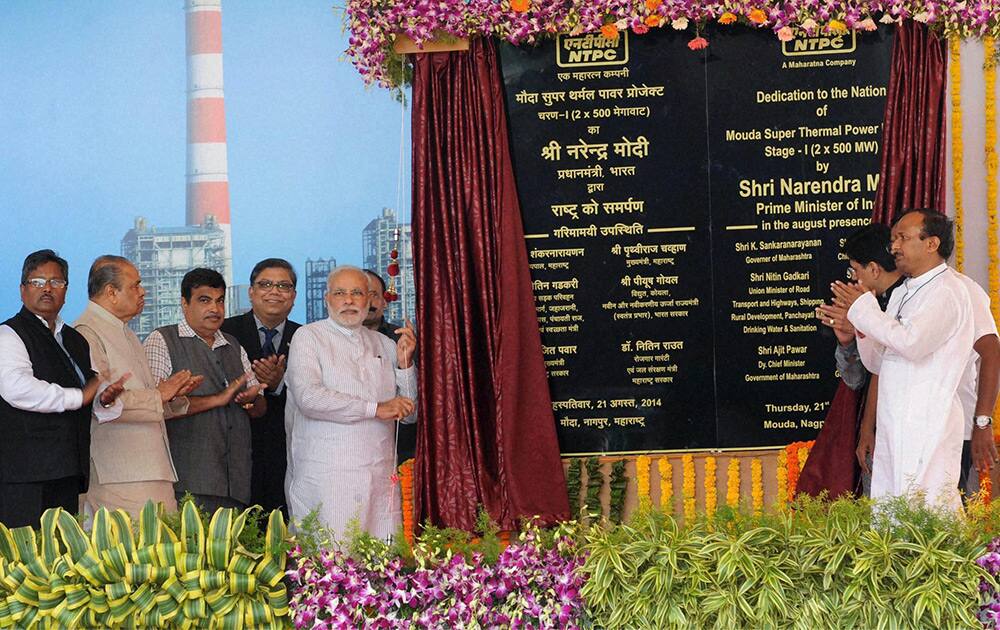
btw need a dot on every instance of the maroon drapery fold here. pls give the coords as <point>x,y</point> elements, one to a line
<point>832,466</point>
<point>912,176</point>
<point>913,132</point>
<point>486,434</point>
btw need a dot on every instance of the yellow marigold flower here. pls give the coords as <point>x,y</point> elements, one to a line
<point>757,16</point>
<point>610,31</point>
<point>836,26</point>
<point>521,6</point>
<point>653,5</point>
<point>652,21</point>
<point>727,18</point>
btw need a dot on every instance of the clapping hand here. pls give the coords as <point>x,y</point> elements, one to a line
<point>114,390</point>
<point>845,294</point>
<point>270,370</point>
<point>180,383</point>
<point>835,318</point>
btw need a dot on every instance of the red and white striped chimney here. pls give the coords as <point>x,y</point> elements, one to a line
<point>207,167</point>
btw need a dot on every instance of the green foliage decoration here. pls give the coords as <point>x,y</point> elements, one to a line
<point>595,481</point>
<point>618,485</point>
<point>840,564</point>
<point>573,472</point>
<point>144,574</point>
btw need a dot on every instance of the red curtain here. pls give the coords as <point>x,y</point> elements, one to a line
<point>486,434</point>
<point>912,176</point>
<point>913,136</point>
<point>832,466</point>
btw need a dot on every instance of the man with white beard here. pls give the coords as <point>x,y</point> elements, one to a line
<point>347,388</point>
<point>919,348</point>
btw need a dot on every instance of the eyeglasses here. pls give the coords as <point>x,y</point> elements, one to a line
<point>282,287</point>
<point>39,283</point>
<point>902,237</point>
<point>340,294</point>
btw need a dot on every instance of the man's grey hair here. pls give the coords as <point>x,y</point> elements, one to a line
<point>106,270</point>
<point>342,268</point>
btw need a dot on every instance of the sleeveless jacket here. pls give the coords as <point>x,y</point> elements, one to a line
<point>211,450</point>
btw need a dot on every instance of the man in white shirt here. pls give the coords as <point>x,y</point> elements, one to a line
<point>919,348</point>
<point>47,388</point>
<point>348,386</point>
<point>978,389</point>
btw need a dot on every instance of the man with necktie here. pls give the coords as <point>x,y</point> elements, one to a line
<point>265,333</point>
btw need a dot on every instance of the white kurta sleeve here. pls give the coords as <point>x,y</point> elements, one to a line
<point>869,349</point>
<point>304,378</point>
<point>923,333</point>
<point>406,385</point>
<point>20,388</point>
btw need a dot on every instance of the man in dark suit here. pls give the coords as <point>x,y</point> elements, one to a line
<point>265,333</point>
<point>47,388</point>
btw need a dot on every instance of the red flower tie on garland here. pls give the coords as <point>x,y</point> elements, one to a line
<point>391,294</point>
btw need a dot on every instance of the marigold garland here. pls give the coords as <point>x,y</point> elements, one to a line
<point>795,458</point>
<point>985,487</point>
<point>782,474</point>
<point>642,483</point>
<point>733,483</point>
<point>711,494</point>
<point>955,80</point>
<point>687,489</point>
<point>666,485</point>
<point>792,459</point>
<point>406,493</point>
<point>757,486</point>
<point>990,81</point>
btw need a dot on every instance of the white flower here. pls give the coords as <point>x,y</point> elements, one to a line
<point>923,17</point>
<point>887,18</point>
<point>809,25</point>
<point>680,23</point>
<point>622,24</point>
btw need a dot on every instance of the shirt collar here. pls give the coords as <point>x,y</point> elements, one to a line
<point>918,281</point>
<point>349,332</point>
<point>259,324</point>
<point>104,315</point>
<point>185,330</point>
<point>59,323</point>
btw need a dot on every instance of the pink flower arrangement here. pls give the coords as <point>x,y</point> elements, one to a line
<point>374,24</point>
<point>531,585</point>
<point>698,43</point>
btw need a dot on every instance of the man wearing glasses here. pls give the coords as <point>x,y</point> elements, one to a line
<point>47,389</point>
<point>919,349</point>
<point>348,386</point>
<point>265,333</point>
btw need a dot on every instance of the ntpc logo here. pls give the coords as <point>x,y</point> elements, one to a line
<point>592,49</point>
<point>820,45</point>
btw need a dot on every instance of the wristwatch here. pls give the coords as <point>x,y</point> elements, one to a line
<point>983,421</point>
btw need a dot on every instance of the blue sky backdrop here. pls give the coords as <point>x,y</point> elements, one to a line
<point>92,133</point>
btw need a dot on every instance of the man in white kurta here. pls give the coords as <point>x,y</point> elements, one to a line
<point>919,348</point>
<point>978,389</point>
<point>347,388</point>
